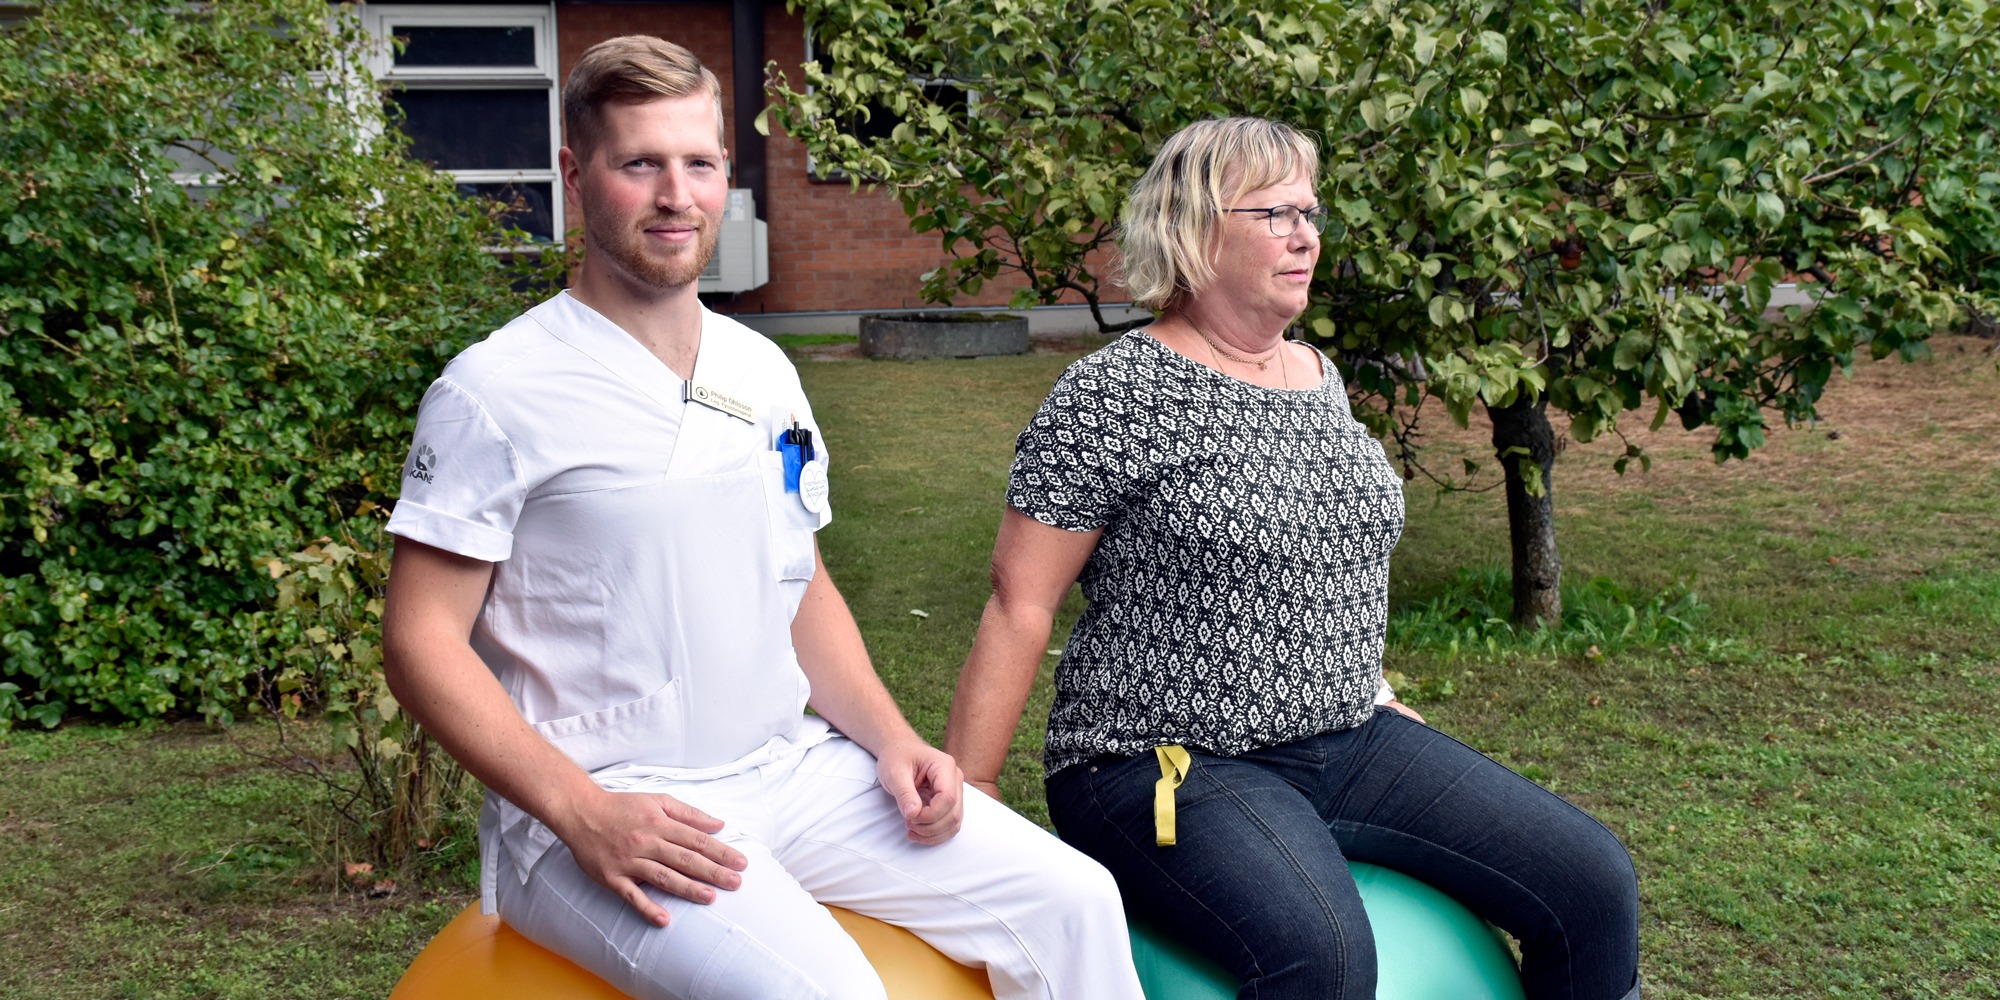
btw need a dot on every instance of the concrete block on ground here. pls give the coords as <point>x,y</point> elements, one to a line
<point>910,336</point>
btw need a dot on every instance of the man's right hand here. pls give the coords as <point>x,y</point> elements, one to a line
<point>626,840</point>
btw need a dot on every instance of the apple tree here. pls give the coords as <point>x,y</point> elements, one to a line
<point>1578,206</point>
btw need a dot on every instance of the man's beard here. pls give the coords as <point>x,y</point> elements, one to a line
<point>628,250</point>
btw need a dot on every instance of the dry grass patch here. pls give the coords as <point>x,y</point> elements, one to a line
<point>1898,478</point>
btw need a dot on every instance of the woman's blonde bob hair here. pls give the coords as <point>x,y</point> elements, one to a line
<point>1168,229</point>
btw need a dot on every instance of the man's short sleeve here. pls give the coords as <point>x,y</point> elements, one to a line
<point>1081,460</point>
<point>462,483</point>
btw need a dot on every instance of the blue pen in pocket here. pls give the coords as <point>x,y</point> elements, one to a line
<point>795,444</point>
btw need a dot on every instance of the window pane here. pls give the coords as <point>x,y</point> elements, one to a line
<point>531,212</point>
<point>881,122</point>
<point>205,159</point>
<point>434,45</point>
<point>478,129</point>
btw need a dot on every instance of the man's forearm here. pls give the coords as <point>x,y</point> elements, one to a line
<point>846,691</point>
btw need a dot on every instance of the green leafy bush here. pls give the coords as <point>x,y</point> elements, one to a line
<point>403,791</point>
<point>223,288</point>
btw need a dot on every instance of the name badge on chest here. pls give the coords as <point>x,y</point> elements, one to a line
<point>695,392</point>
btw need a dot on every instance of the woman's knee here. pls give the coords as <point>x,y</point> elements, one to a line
<point>1291,927</point>
<point>1589,945</point>
<point>1256,882</point>
<point>1607,884</point>
<point>1617,888</point>
<point>1331,957</point>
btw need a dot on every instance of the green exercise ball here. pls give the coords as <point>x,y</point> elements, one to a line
<point>1427,947</point>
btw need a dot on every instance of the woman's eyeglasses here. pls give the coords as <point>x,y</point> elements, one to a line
<point>1285,218</point>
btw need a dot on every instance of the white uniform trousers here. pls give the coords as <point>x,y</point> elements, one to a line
<point>1042,919</point>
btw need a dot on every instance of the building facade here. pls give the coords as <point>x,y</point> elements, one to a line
<point>479,86</point>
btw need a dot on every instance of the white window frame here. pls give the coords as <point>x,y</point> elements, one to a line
<point>384,20</point>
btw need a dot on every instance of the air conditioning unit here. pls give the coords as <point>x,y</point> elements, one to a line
<point>742,260</point>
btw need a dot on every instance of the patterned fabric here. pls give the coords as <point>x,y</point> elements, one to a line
<point>1239,592</point>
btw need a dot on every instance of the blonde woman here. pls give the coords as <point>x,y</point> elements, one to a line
<point>1231,525</point>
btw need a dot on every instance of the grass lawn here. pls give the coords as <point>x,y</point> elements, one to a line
<point>1781,687</point>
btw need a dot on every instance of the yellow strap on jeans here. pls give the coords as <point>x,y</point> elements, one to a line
<point>1174,764</point>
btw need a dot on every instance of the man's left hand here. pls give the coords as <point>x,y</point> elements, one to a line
<point>925,783</point>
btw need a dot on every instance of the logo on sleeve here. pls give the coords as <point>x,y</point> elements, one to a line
<point>422,461</point>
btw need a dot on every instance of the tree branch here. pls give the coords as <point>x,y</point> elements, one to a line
<point>1864,161</point>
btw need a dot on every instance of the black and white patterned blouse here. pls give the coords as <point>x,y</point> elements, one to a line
<point>1238,595</point>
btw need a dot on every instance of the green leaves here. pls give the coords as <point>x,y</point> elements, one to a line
<point>191,377</point>
<point>323,655</point>
<point>1596,203</point>
<point>1472,101</point>
<point>1676,259</point>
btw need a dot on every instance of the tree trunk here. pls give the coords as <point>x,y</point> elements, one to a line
<point>1526,445</point>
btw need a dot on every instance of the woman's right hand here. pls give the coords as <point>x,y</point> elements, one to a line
<point>1405,709</point>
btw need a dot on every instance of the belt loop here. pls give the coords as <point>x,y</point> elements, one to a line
<point>1174,764</point>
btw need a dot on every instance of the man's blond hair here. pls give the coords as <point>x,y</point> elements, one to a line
<point>1168,228</point>
<point>631,69</point>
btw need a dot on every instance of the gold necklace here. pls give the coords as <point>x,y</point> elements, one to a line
<point>1262,364</point>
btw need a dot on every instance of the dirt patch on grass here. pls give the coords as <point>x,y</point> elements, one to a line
<point>1891,420</point>
<point>1901,470</point>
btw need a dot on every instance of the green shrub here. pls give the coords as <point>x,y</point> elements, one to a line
<point>223,288</point>
<point>403,791</point>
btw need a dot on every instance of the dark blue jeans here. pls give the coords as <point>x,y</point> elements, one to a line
<point>1259,881</point>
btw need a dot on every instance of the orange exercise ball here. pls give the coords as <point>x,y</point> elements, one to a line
<point>476,957</point>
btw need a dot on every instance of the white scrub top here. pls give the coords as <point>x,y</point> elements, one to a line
<point>648,558</point>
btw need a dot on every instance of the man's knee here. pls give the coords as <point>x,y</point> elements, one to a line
<point>856,989</point>
<point>739,965</point>
<point>1059,898</point>
<point>1076,881</point>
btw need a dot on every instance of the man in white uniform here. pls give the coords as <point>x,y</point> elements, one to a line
<point>607,603</point>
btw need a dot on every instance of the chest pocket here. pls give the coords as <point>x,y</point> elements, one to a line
<point>792,525</point>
